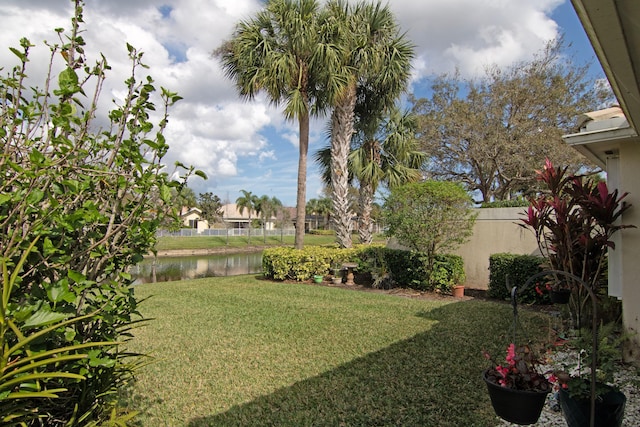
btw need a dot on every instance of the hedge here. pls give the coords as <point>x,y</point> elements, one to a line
<point>519,268</point>
<point>396,267</point>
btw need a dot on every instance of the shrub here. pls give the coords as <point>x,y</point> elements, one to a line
<point>519,268</point>
<point>404,268</point>
<point>432,217</point>
<point>83,204</point>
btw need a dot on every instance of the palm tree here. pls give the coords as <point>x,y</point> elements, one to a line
<point>312,208</point>
<point>384,151</point>
<point>376,55</point>
<point>247,201</point>
<point>266,207</point>
<point>284,52</point>
<point>390,156</point>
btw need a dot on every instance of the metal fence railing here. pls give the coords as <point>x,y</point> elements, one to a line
<point>221,232</point>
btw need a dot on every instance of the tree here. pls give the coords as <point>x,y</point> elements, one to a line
<point>432,217</point>
<point>282,51</point>
<point>375,56</point>
<point>211,207</point>
<point>312,208</point>
<point>266,207</point>
<point>388,156</point>
<point>80,203</point>
<point>490,133</point>
<point>384,151</point>
<point>247,201</point>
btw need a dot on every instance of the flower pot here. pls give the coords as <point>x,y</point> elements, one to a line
<point>317,278</point>
<point>609,409</point>
<point>337,280</point>
<point>560,296</point>
<point>521,407</point>
<point>458,291</point>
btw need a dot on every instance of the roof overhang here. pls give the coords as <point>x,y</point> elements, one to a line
<point>613,27</point>
<point>603,142</point>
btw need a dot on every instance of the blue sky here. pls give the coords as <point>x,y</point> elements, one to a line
<point>246,145</point>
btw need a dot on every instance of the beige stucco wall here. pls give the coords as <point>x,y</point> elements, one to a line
<point>630,239</point>
<point>495,231</point>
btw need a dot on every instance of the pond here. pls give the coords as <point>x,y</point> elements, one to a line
<point>165,269</point>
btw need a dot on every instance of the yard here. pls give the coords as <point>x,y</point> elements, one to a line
<point>240,351</point>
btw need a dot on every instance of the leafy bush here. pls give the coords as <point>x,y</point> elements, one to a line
<point>432,217</point>
<point>513,203</point>
<point>83,206</point>
<point>519,268</point>
<point>407,269</point>
<point>321,232</point>
<point>285,263</point>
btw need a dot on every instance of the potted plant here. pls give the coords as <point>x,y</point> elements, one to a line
<point>574,379</point>
<point>337,274</point>
<point>517,388</point>
<point>573,222</point>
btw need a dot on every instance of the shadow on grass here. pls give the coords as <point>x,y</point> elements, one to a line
<point>431,379</point>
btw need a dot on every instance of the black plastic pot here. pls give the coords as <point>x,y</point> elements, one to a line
<point>516,406</point>
<point>609,409</point>
<point>560,296</point>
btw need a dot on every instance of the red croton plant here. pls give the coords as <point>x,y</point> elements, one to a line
<point>573,221</point>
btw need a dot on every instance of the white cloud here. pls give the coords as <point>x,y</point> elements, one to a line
<point>211,127</point>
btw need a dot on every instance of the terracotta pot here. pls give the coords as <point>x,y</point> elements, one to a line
<point>516,406</point>
<point>458,291</point>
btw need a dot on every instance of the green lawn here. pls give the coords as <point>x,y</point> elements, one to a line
<point>210,242</point>
<point>241,351</point>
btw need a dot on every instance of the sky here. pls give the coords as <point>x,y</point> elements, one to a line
<point>247,145</point>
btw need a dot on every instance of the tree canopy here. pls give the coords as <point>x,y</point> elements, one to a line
<point>491,132</point>
<point>431,217</point>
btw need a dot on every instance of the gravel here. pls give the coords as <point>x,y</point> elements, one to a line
<point>626,379</point>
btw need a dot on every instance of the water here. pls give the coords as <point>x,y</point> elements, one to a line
<point>192,267</point>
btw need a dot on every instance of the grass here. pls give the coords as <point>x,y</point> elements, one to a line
<point>239,351</point>
<point>210,242</point>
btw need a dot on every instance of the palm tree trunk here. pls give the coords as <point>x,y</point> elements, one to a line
<point>341,133</point>
<point>365,231</point>
<point>303,126</point>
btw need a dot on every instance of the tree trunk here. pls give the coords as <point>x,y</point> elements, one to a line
<point>303,126</point>
<point>341,133</point>
<point>365,231</point>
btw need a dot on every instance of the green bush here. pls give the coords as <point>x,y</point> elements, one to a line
<point>82,194</point>
<point>402,268</point>
<point>513,203</point>
<point>321,232</point>
<point>519,268</point>
<point>285,263</point>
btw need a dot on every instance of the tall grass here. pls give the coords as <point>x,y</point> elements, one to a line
<point>239,351</point>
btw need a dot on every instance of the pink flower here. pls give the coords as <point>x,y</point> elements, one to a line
<point>511,354</point>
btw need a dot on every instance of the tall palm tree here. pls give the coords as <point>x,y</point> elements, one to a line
<point>384,151</point>
<point>375,55</point>
<point>390,156</point>
<point>312,208</point>
<point>283,50</point>
<point>247,201</point>
<point>266,207</point>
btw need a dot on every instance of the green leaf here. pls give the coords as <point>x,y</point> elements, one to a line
<point>201,174</point>
<point>68,81</point>
<point>75,276</point>
<point>165,193</point>
<point>19,54</point>
<point>43,317</point>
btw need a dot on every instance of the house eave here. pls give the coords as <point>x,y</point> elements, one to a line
<point>597,145</point>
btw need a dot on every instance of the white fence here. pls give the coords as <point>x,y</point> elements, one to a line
<point>231,232</point>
